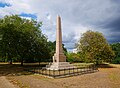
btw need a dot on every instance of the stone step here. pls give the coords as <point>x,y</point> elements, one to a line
<point>60,65</point>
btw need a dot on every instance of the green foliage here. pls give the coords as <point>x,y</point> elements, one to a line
<point>94,47</point>
<point>52,46</point>
<point>116,60</point>
<point>73,57</point>
<point>22,39</point>
<point>116,48</point>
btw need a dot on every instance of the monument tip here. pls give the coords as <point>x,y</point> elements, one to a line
<point>58,16</point>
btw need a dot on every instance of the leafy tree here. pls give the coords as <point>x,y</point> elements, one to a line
<point>94,47</point>
<point>73,57</point>
<point>21,38</point>
<point>7,45</point>
<point>116,49</point>
<point>51,48</point>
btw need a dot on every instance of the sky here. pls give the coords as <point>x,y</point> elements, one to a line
<point>77,17</point>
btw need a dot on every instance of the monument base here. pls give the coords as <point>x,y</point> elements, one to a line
<point>59,65</point>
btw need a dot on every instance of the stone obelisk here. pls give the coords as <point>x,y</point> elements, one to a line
<point>59,55</point>
<point>59,59</point>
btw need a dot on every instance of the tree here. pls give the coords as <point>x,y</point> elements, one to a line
<point>116,48</point>
<point>94,47</point>
<point>7,45</point>
<point>73,57</point>
<point>22,38</point>
<point>51,48</point>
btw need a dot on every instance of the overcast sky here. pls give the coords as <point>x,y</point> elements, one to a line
<point>77,16</point>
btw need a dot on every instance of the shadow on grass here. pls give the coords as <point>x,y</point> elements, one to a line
<point>15,69</point>
<point>105,66</point>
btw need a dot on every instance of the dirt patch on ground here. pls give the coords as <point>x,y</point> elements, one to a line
<point>4,83</point>
<point>108,77</point>
<point>104,78</point>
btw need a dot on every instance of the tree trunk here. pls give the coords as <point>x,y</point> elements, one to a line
<point>10,61</point>
<point>39,63</point>
<point>21,61</point>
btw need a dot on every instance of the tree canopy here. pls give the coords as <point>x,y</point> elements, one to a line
<point>116,49</point>
<point>94,47</point>
<point>23,39</point>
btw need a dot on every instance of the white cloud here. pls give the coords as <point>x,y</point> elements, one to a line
<point>29,18</point>
<point>78,16</point>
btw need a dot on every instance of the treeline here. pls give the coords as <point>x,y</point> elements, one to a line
<point>21,40</point>
<point>80,57</point>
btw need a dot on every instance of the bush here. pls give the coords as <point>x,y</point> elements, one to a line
<point>70,60</point>
<point>73,57</point>
<point>116,60</point>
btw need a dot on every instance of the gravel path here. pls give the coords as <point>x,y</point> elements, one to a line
<point>4,83</point>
